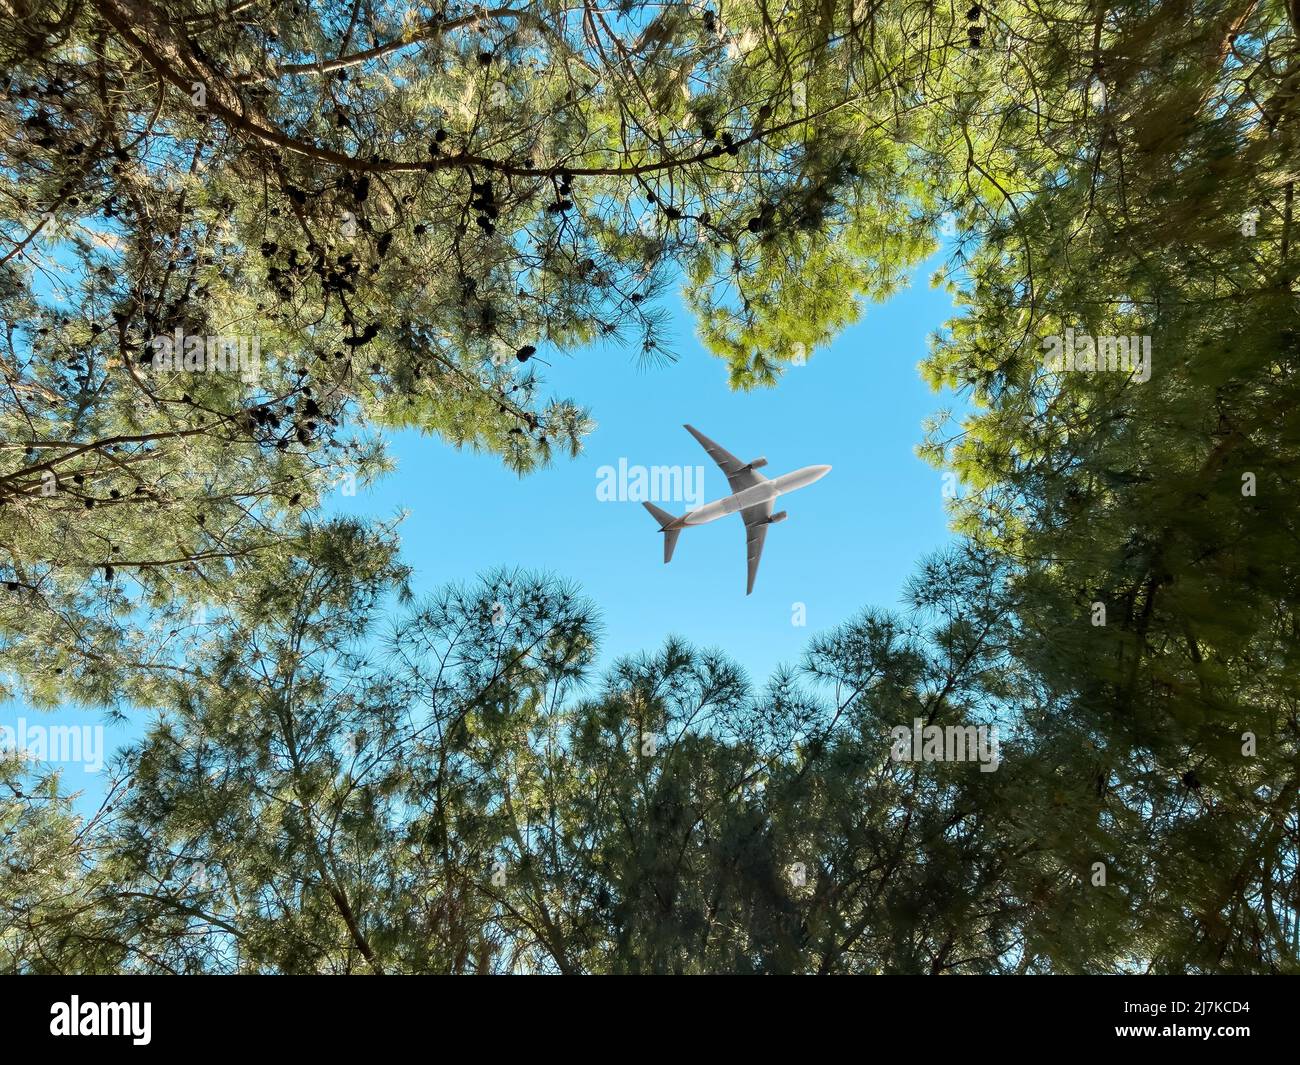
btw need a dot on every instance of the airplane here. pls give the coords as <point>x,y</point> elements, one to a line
<point>752,495</point>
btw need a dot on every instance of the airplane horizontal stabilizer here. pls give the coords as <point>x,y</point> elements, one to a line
<point>670,534</point>
<point>662,516</point>
<point>670,542</point>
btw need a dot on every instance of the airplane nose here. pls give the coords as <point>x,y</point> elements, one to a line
<point>822,471</point>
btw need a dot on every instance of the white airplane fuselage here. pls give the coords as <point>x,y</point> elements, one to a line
<point>752,496</point>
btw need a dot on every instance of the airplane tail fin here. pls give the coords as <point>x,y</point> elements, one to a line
<point>670,535</point>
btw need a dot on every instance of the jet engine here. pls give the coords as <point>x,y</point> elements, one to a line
<point>780,515</point>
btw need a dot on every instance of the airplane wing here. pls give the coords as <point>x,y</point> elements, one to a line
<point>756,522</point>
<point>738,476</point>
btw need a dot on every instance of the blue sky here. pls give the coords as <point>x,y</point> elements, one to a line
<point>851,540</point>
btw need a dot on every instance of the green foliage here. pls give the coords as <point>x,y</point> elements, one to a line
<point>467,804</point>
<point>1169,502</point>
<point>405,211</point>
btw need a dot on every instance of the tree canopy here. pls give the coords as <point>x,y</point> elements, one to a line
<point>403,210</point>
